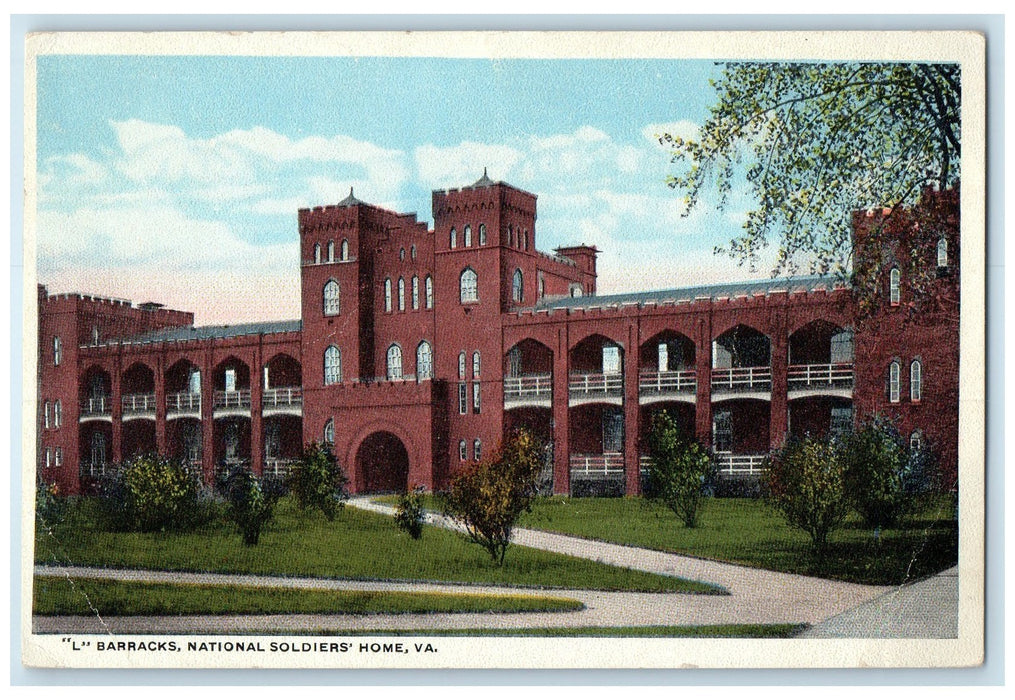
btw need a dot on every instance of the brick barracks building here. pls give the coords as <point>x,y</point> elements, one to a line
<point>418,349</point>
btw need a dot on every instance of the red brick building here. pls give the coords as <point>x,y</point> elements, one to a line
<point>417,349</point>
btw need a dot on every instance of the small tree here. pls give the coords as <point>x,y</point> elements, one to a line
<point>678,469</point>
<point>317,481</point>
<point>488,498</point>
<point>409,513</point>
<point>805,481</point>
<point>150,493</point>
<point>875,463</point>
<point>251,507</point>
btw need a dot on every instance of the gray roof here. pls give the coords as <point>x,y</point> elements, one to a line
<point>179,335</point>
<point>688,294</point>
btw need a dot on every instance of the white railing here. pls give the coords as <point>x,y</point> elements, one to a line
<point>276,467</point>
<point>232,399</point>
<point>282,396</point>
<point>97,406</point>
<point>528,386</point>
<point>742,378</point>
<point>593,466</point>
<point>95,470</point>
<point>580,385</point>
<point>821,375</point>
<point>138,403</point>
<point>731,464</point>
<point>183,402</point>
<point>680,381</point>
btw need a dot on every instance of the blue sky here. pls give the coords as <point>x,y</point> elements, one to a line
<point>177,179</point>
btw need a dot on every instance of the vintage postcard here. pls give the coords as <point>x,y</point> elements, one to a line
<point>504,350</point>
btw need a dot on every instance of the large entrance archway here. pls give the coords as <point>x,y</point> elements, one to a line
<point>382,464</point>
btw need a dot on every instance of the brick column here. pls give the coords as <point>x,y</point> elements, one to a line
<point>703,375</point>
<point>779,405</point>
<point>632,464</point>
<point>116,409</point>
<point>561,425</point>
<point>160,406</point>
<point>207,420</point>
<point>256,427</point>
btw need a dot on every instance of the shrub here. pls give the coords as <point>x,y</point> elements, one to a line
<point>250,506</point>
<point>316,481</point>
<point>151,494</point>
<point>805,481</point>
<point>488,498</point>
<point>49,507</point>
<point>679,469</point>
<point>409,513</point>
<point>875,462</point>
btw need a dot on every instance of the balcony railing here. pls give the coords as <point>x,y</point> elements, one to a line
<point>232,399</point>
<point>730,464</point>
<point>820,376</point>
<point>282,396</point>
<point>97,469</point>
<point>276,467</point>
<point>138,403</point>
<point>734,379</point>
<point>97,406</point>
<point>590,466</point>
<point>528,386</point>
<point>183,402</point>
<point>667,382</point>
<point>595,385</point>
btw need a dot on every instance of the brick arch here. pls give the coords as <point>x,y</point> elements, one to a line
<point>572,344</point>
<point>763,328</point>
<point>371,428</point>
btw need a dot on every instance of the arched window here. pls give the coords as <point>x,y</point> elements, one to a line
<point>916,441</point>
<point>525,240</point>
<point>57,350</point>
<point>463,451</point>
<point>575,289</point>
<point>511,236</point>
<point>428,284</point>
<point>915,381</point>
<point>893,382</point>
<point>95,335</point>
<point>517,290</point>
<point>345,249</point>
<point>475,365</point>
<point>329,432</point>
<point>401,253</point>
<point>331,298</point>
<point>45,415</point>
<point>893,287</point>
<point>331,251</point>
<point>387,294</point>
<point>412,252</point>
<point>394,363</point>
<point>477,449</point>
<point>332,365</point>
<point>424,361</point>
<point>401,294</point>
<point>942,252</point>
<point>317,253</point>
<point>461,365</point>
<point>57,414</point>
<point>540,286</point>
<point>415,292</point>
<point>467,236</point>
<point>454,238</point>
<point>482,234</point>
<point>469,285</point>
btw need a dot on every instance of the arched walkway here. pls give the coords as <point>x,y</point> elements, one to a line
<point>382,464</point>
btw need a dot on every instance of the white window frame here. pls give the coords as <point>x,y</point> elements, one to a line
<point>332,365</point>
<point>461,365</point>
<point>453,239</point>
<point>332,298</point>
<point>328,435</point>
<point>412,251</point>
<point>894,290</point>
<point>475,397</point>
<point>482,234</point>
<point>942,252</point>
<point>468,286</point>
<point>477,450</point>
<point>463,451</point>
<point>463,399</point>
<point>428,288</point>
<point>49,458</point>
<point>317,253</point>
<point>344,251</point>
<point>518,286</point>
<point>57,413</point>
<point>401,294</point>
<point>45,415</point>
<point>415,293</point>
<point>894,371</point>
<point>57,350</point>
<point>476,365</point>
<point>387,295</point>
<point>915,381</point>
<point>424,361</point>
<point>467,236</point>
<point>331,251</point>
<point>393,368</point>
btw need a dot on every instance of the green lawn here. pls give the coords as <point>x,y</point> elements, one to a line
<point>747,531</point>
<point>57,595</point>
<point>356,545</point>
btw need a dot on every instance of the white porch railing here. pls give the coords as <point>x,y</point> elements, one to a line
<point>232,399</point>
<point>817,376</point>
<point>528,386</point>
<point>276,467</point>
<point>730,464</point>
<point>97,469</point>
<point>183,402</point>
<point>282,396</point>
<point>742,379</point>
<point>667,382</point>
<point>97,406</point>
<point>138,403</point>
<point>597,466</point>
<point>585,385</point>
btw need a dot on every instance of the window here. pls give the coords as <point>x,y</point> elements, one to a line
<point>401,253</point>
<point>98,449</point>
<point>57,351</point>
<point>540,286</point>
<point>842,347</point>
<point>387,295</point>
<point>49,458</point>
<point>722,431</point>
<point>475,397</point>
<point>916,441</point>
<point>331,251</point>
<point>482,234</point>
<point>469,286</point>
<point>57,414</point>
<point>893,286</point>
<point>331,298</point>
<point>942,252</point>
<point>401,294</point>
<point>575,290</point>
<point>424,361</point>
<point>329,432</point>
<point>511,236</point>
<point>611,359</point>
<point>613,429</point>
<point>467,237</point>
<point>463,451</point>
<point>194,381</point>
<point>231,379</point>
<point>95,335</point>
<point>461,365</point>
<point>58,456</point>
<point>893,382</point>
<point>332,365</point>
<point>415,292</point>
<point>525,240</point>
<point>454,238</point>
<point>477,449</point>
<point>345,249</point>
<point>412,252</point>
<point>664,357</point>
<point>394,363</point>
<point>515,362</point>
<point>475,365</point>
<point>915,381</point>
<point>463,399</point>
<point>428,284</point>
<point>517,291</point>
<point>317,253</point>
<point>45,415</point>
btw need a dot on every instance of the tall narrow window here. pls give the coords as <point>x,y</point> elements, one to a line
<point>415,292</point>
<point>893,287</point>
<point>401,253</point>
<point>540,286</point>
<point>893,382</point>
<point>424,361</point>
<point>842,347</point>
<point>45,415</point>
<point>412,251</point>
<point>611,359</point>
<point>475,365</point>
<point>329,432</point>
<point>394,363</point>
<point>915,381</point>
<point>57,414</point>
<point>428,284</point>
<point>453,239</point>
<point>387,295</point>
<point>463,399</point>
<point>468,286</point>
<point>57,350</point>
<point>332,365</point>
<point>331,251</point>
<point>231,379</point>
<point>95,335</point>
<point>467,236</point>
<point>401,294</point>
<point>58,457</point>
<point>49,458</point>
<point>515,362</point>
<point>477,449</point>
<point>194,381</point>
<point>664,357</point>
<point>317,253</point>
<point>517,290</point>
<point>331,298</point>
<point>475,397</point>
<point>525,240</point>
<point>942,252</point>
<point>463,451</point>
<point>345,249</point>
<point>482,234</point>
<point>511,236</point>
<point>461,365</point>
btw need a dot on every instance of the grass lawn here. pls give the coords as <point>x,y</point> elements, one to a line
<point>56,595</point>
<point>356,545</point>
<point>779,631</point>
<point>747,531</point>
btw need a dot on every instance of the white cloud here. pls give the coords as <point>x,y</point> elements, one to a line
<point>456,166</point>
<point>684,129</point>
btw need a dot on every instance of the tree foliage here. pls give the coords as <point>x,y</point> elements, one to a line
<point>251,506</point>
<point>817,141</point>
<point>409,512</point>
<point>316,481</point>
<point>488,498</point>
<point>150,493</point>
<point>678,469</point>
